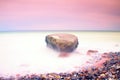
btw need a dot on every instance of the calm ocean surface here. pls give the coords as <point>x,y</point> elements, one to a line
<point>105,40</point>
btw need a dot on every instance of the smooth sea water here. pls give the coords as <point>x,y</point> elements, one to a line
<point>26,52</point>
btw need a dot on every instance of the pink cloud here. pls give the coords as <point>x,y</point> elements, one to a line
<point>80,13</point>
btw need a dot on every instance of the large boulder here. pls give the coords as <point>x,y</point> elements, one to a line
<point>62,42</point>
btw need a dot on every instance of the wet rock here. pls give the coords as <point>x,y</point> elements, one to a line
<point>62,42</point>
<point>93,51</point>
<point>90,52</point>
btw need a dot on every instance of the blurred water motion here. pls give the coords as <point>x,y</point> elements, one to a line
<point>26,52</point>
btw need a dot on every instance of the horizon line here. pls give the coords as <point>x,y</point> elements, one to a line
<point>61,31</point>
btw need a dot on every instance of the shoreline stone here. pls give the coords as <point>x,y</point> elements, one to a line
<point>62,42</point>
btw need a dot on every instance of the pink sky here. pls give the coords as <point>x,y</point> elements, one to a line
<point>59,15</point>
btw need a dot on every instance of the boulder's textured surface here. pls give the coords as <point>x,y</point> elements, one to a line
<point>62,42</point>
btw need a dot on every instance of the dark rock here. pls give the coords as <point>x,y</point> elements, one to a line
<point>62,42</point>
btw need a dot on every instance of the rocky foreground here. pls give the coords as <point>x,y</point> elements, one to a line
<point>109,70</point>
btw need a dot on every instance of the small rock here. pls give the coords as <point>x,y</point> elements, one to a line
<point>90,52</point>
<point>93,51</point>
<point>62,42</point>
